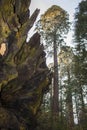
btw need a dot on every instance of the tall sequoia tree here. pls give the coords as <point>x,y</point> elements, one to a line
<point>53,24</point>
<point>24,76</point>
<point>81,56</point>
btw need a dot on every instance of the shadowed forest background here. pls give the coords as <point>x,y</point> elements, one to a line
<point>34,96</point>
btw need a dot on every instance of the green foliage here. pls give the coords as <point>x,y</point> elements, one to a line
<point>53,25</point>
<point>46,122</point>
<point>81,22</point>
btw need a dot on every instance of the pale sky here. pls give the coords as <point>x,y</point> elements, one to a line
<point>67,5</point>
<point>43,5</point>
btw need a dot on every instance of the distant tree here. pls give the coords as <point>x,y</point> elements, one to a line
<point>80,36</point>
<point>66,58</point>
<point>80,74</point>
<point>53,25</point>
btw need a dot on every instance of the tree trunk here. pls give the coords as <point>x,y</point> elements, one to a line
<point>55,85</point>
<point>70,121</point>
<point>77,109</point>
<point>61,102</point>
<point>82,115</point>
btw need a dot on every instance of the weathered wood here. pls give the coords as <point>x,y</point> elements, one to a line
<point>24,76</point>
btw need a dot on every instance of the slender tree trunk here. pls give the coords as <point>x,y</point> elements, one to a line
<point>61,101</point>
<point>83,115</point>
<point>55,85</point>
<point>51,105</point>
<point>77,110</point>
<point>70,121</point>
